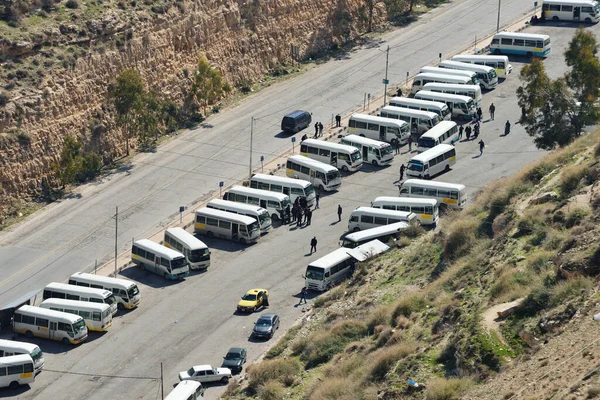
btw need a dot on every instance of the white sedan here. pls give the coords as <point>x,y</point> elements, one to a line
<point>206,373</point>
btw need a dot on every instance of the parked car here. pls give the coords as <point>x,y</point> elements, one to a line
<point>235,359</point>
<point>266,325</point>
<point>205,373</point>
<point>253,300</point>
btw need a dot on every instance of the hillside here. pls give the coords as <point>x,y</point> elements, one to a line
<point>428,310</point>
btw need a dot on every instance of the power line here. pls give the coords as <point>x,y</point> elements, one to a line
<point>147,378</point>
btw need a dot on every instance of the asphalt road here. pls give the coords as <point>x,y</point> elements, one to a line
<point>192,322</point>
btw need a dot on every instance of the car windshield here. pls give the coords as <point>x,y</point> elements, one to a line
<point>233,356</point>
<point>492,74</point>
<point>315,273</point>
<point>263,322</point>
<point>309,189</point>
<point>286,202</point>
<point>133,291</point>
<point>415,166</point>
<point>198,255</point>
<point>191,371</point>
<point>249,297</point>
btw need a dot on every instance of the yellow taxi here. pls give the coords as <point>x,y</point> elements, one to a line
<point>253,300</point>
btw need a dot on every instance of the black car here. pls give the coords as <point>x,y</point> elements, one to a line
<point>266,326</point>
<point>235,359</point>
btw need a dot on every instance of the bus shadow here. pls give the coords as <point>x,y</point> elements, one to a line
<point>563,24</point>
<point>48,346</point>
<point>223,245</point>
<point>370,168</point>
<point>147,278</point>
<point>7,392</point>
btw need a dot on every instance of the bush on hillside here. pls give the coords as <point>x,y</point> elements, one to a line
<point>406,305</point>
<point>576,216</point>
<point>447,389</point>
<point>384,360</point>
<point>539,171</point>
<point>570,179</point>
<point>321,347</point>
<point>537,300</point>
<point>381,316</point>
<point>283,371</point>
<point>336,388</point>
<point>271,390</point>
<point>350,330</point>
<point>460,237</point>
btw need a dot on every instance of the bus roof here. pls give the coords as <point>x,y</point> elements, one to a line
<point>382,212</point>
<point>38,311</point>
<point>211,212</point>
<point>433,152</point>
<point>448,71</point>
<point>410,111</point>
<point>439,129</point>
<point>13,344</point>
<point>447,96</point>
<point>481,57</point>
<point>475,88</point>
<point>183,390</point>
<point>17,359</point>
<point>103,279</point>
<point>159,248</point>
<point>380,120</point>
<point>84,305</point>
<point>405,200</point>
<point>187,238</point>
<point>329,145</point>
<point>309,162</point>
<point>281,179</point>
<point>410,100</point>
<point>259,192</point>
<point>332,258</point>
<point>439,76</point>
<point>521,35</point>
<point>366,141</point>
<point>77,289</point>
<point>435,184</point>
<point>465,67</point>
<point>377,232</point>
<point>368,250</point>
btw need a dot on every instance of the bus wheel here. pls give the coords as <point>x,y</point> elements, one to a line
<point>447,168</point>
<point>242,241</point>
<point>321,188</point>
<point>588,20</point>
<point>29,334</point>
<point>65,341</point>
<point>165,276</point>
<point>555,18</point>
<point>426,176</point>
<point>529,54</point>
<point>374,162</point>
<point>344,168</point>
<point>210,234</point>
<point>362,135</point>
<point>120,306</point>
<point>13,385</point>
<point>275,217</point>
<point>497,51</point>
<point>329,286</point>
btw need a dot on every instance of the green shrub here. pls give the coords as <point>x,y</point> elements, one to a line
<point>321,348</point>
<point>460,238</point>
<point>406,305</point>
<point>383,360</point>
<point>570,179</point>
<point>537,173</point>
<point>538,261</point>
<point>271,390</point>
<point>528,224</point>
<point>569,289</point>
<point>4,98</point>
<point>283,371</point>
<point>282,344</point>
<point>72,4</point>
<point>447,389</point>
<point>350,330</point>
<point>576,216</point>
<point>343,388</point>
<point>538,299</point>
<point>381,316</point>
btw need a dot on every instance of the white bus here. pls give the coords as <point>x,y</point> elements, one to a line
<point>444,71</point>
<point>126,292</point>
<point>261,215</point>
<point>369,217</point>
<point>432,162</point>
<point>161,260</point>
<point>522,44</point>
<point>461,107</point>
<point>281,184</point>
<point>488,78</point>
<point>571,10</point>
<point>16,370</point>
<point>439,108</point>
<point>499,63</point>
<point>321,175</point>
<point>57,290</point>
<point>382,233</point>
<point>13,348</point>
<point>446,132</point>
<point>426,210</point>
<point>373,151</point>
<point>419,121</point>
<point>379,128</point>
<point>187,390</point>
<point>473,91</point>
<point>97,317</point>
<point>194,250</point>
<point>420,80</point>
<point>226,225</point>
<point>341,156</point>
<point>35,321</point>
<point>274,203</point>
<point>329,270</point>
<point>448,194</point>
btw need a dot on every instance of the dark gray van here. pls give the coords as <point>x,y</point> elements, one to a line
<point>296,121</point>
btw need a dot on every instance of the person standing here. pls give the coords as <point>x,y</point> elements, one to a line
<point>338,121</point>
<point>481,147</point>
<point>299,219</point>
<point>339,213</point>
<point>317,198</point>
<point>507,128</point>
<point>492,111</point>
<point>302,295</point>
<point>316,129</point>
<point>320,129</point>
<point>477,129</point>
<point>396,145</point>
<point>304,137</point>
<point>468,132</point>
<point>288,214</point>
<point>410,142</point>
<point>308,213</point>
<point>313,245</point>
<point>402,168</point>
<point>479,113</point>
<point>460,132</point>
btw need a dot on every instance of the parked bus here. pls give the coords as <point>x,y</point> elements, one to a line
<point>499,63</point>
<point>57,290</point>
<point>373,151</point>
<point>473,91</point>
<point>321,175</point>
<point>379,128</point>
<point>261,215</point>
<point>161,260</point>
<point>426,210</point>
<point>419,121</point>
<point>432,162</point>
<point>461,107</point>
<point>226,225</point>
<point>439,108</point>
<point>329,270</point>
<point>488,78</point>
<point>13,348</point>
<point>445,71</point>
<point>16,371</point>
<point>35,321</point>
<point>369,217</point>
<point>523,44</point>
<point>274,203</point>
<point>194,250</point>
<point>447,194</point>
<point>420,80</point>
<point>341,156</point>
<point>446,132</point>
<point>97,317</point>
<point>281,184</point>
<point>382,233</point>
<point>571,10</point>
<point>187,390</point>
<point>125,291</point>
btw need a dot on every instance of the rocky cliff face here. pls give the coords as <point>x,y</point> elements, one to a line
<point>244,39</point>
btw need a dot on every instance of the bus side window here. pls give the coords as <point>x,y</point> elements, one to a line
<point>404,190</point>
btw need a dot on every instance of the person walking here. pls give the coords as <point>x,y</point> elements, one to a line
<point>338,121</point>
<point>308,213</point>
<point>313,245</point>
<point>477,127</point>
<point>320,129</point>
<point>316,129</point>
<point>507,128</point>
<point>481,147</point>
<point>410,142</point>
<point>304,137</point>
<point>303,295</point>
<point>402,168</point>
<point>460,132</point>
<point>479,113</point>
<point>492,111</point>
<point>468,132</point>
<point>317,198</point>
<point>339,213</point>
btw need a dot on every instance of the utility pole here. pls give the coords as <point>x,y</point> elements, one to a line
<point>162,383</point>
<point>251,134</point>
<point>116,233</point>
<point>498,23</point>
<point>385,80</point>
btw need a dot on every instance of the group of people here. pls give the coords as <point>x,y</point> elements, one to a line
<point>299,213</point>
<point>318,129</point>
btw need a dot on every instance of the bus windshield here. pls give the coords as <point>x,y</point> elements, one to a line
<point>356,156</point>
<point>315,273</point>
<point>308,190</point>
<point>426,142</point>
<point>36,354</point>
<point>285,203</point>
<point>198,255</point>
<point>333,175</point>
<point>597,8</point>
<point>385,151</point>
<point>263,217</point>
<point>79,326</point>
<point>492,74</point>
<point>470,104</point>
<point>415,166</point>
<point>445,111</point>
<point>475,81</point>
<point>179,262</point>
<point>110,300</point>
<point>253,227</point>
<point>132,292</point>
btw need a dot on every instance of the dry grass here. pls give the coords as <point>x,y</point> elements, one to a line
<point>336,388</point>
<point>570,288</point>
<point>271,390</point>
<point>384,360</point>
<point>570,178</point>
<point>407,305</point>
<point>460,236</point>
<point>322,346</point>
<point>283,371</point>
<point>381,316</point>
<point>447,389</point>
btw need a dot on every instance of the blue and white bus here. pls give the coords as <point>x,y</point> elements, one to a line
<point>446,132</point>
<point>523,44</point>
<point>571,10</point>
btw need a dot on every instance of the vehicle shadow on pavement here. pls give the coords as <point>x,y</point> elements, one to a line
<point>7,392</point>
<point>370,168</point>
<point>223,245</point>
<point>147,278</point>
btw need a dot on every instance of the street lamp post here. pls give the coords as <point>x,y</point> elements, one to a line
<point>498,23</point>
<point>385,80</point>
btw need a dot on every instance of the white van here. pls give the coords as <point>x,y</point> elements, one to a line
<point>323,176</point>
<point>373,151</point>
<point>461,107</point>
<point>444,71</point>
<point>440,108</point>
<point>379,128</point>
<point>473,91</point>
<point>13,348</point>
<point>275,203</point>
<point>281,184</point>
<point>426,210</point>
<point>419,121</point>
<point>420,80</point>
<point>432,162</point>
<point>488,79</point>
<point>195,251</point>
<point>447,194</point>
<point>368,217</point>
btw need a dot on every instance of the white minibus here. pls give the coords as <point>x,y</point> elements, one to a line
<point>57,290</point>
<point>194,250</point>
<point>461,107</point>
<point>445,71</point>
<point>369,217</point>
<point>379,128</point>
<point>382,233</point>
<point>274,203</point>
<point>187,390</point>
<point>373,151</point>
<point>321,175</point>
<point>161,260</point>
<point>97,316</point>
<point>488,78</point>
<point>499,63</point>
<point>329,270</point>
<point>439,108</point>
<point>446,132</point>
<point>341,156</point>
<point>426,210</point>
<point>473,91</point>
<point>523,44</point>
<point>261,215</point>
<point>571,10</point>
<point>14,348</point>
<point>226,225</point>
<point>35,321</point>
<point>432,162</point>
<point>16,370</point>
<point>420,80</point>
<point>419,121</point>
<point>126,292</point>
<point>448,194</point>
<point>281,184</point>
